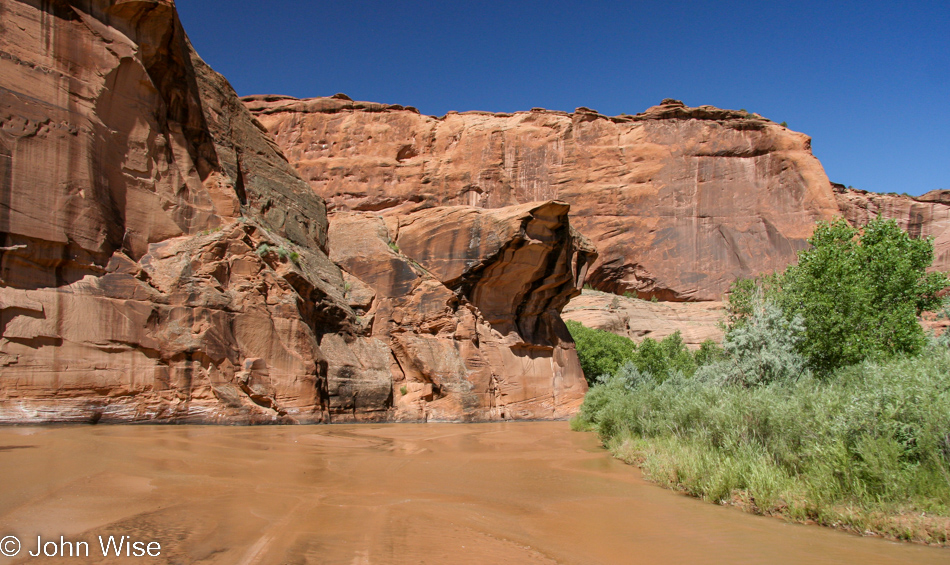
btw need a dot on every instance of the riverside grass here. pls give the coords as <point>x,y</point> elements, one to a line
<point>867,450</point>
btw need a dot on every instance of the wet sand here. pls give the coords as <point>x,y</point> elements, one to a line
<point>533,493</point>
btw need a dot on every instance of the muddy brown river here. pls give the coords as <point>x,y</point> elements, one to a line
<point>507,493</point>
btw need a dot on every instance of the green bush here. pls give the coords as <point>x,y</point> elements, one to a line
<point>872,442</point>
<point>858,292</point>
<point>601,353</point>
<point>761,350</point>
<point>709,352</point>
<point>662,359</point>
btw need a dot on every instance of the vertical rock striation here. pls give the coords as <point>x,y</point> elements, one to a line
<point>162,261</point>
<point>680,201</point>
<point>927,215</point>
<point>134,191</point>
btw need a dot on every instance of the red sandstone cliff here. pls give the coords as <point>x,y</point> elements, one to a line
<point>921,216</point>
<point>679,201</point>
<point>161,260</point>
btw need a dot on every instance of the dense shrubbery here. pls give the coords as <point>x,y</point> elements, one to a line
<point>826,401</point>
<point>603,353</point>
<point>600,352</point>
<point>763,349</point>
<point>872,441</point>
<point>858,293</point>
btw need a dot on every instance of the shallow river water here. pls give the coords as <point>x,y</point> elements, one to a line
<point>507,493</point>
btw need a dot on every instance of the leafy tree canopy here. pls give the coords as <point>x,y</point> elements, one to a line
<point>858,292</point>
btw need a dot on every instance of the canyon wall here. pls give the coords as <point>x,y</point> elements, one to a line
<point>927,215</point>
<point>162,261</point>
<point>679,201</point>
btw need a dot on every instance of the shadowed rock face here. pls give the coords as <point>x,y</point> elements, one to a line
<point>134,189</point>
<point>469,300</point>
<point>161,260</point>
<point>679,201</point>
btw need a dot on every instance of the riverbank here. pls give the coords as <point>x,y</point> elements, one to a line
<point>866,451</point>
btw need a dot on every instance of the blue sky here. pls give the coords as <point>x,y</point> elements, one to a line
<point>869,81</point>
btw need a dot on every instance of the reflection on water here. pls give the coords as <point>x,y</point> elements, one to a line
<point>385,494</point>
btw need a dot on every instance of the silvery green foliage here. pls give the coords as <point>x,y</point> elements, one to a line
<point>762,351</point>
<point>943,340</point>
<point>628,377</point>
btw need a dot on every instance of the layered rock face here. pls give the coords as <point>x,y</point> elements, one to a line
<point>679,201</point>
<point>639,319</point>
<point>469,300</point>
<point>922,216</point>
<point>161,260</point>
<point>130,286</point>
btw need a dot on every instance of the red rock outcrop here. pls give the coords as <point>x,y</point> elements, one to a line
<point>135,191</point>
<point>469,301</point>
<point>161,260</point>
<point>679,201</point>
<point>921,216</point>
<point>639,319</point>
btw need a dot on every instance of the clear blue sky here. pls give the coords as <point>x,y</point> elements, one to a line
<point>869,81</point>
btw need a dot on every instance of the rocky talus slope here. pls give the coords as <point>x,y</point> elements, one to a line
<point>162,261</point>
<point>679,201</point>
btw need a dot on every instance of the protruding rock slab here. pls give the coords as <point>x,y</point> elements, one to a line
<point>205,328</point>
<point>639,319</point>
<point>469,300</point>
<point>679,201</point>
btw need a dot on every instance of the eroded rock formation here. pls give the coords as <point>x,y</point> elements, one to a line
<point>130,287</point>
<point>162,261</point>
<point>679,201</point>
<point>469,299</point>
<point>639,319</point>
